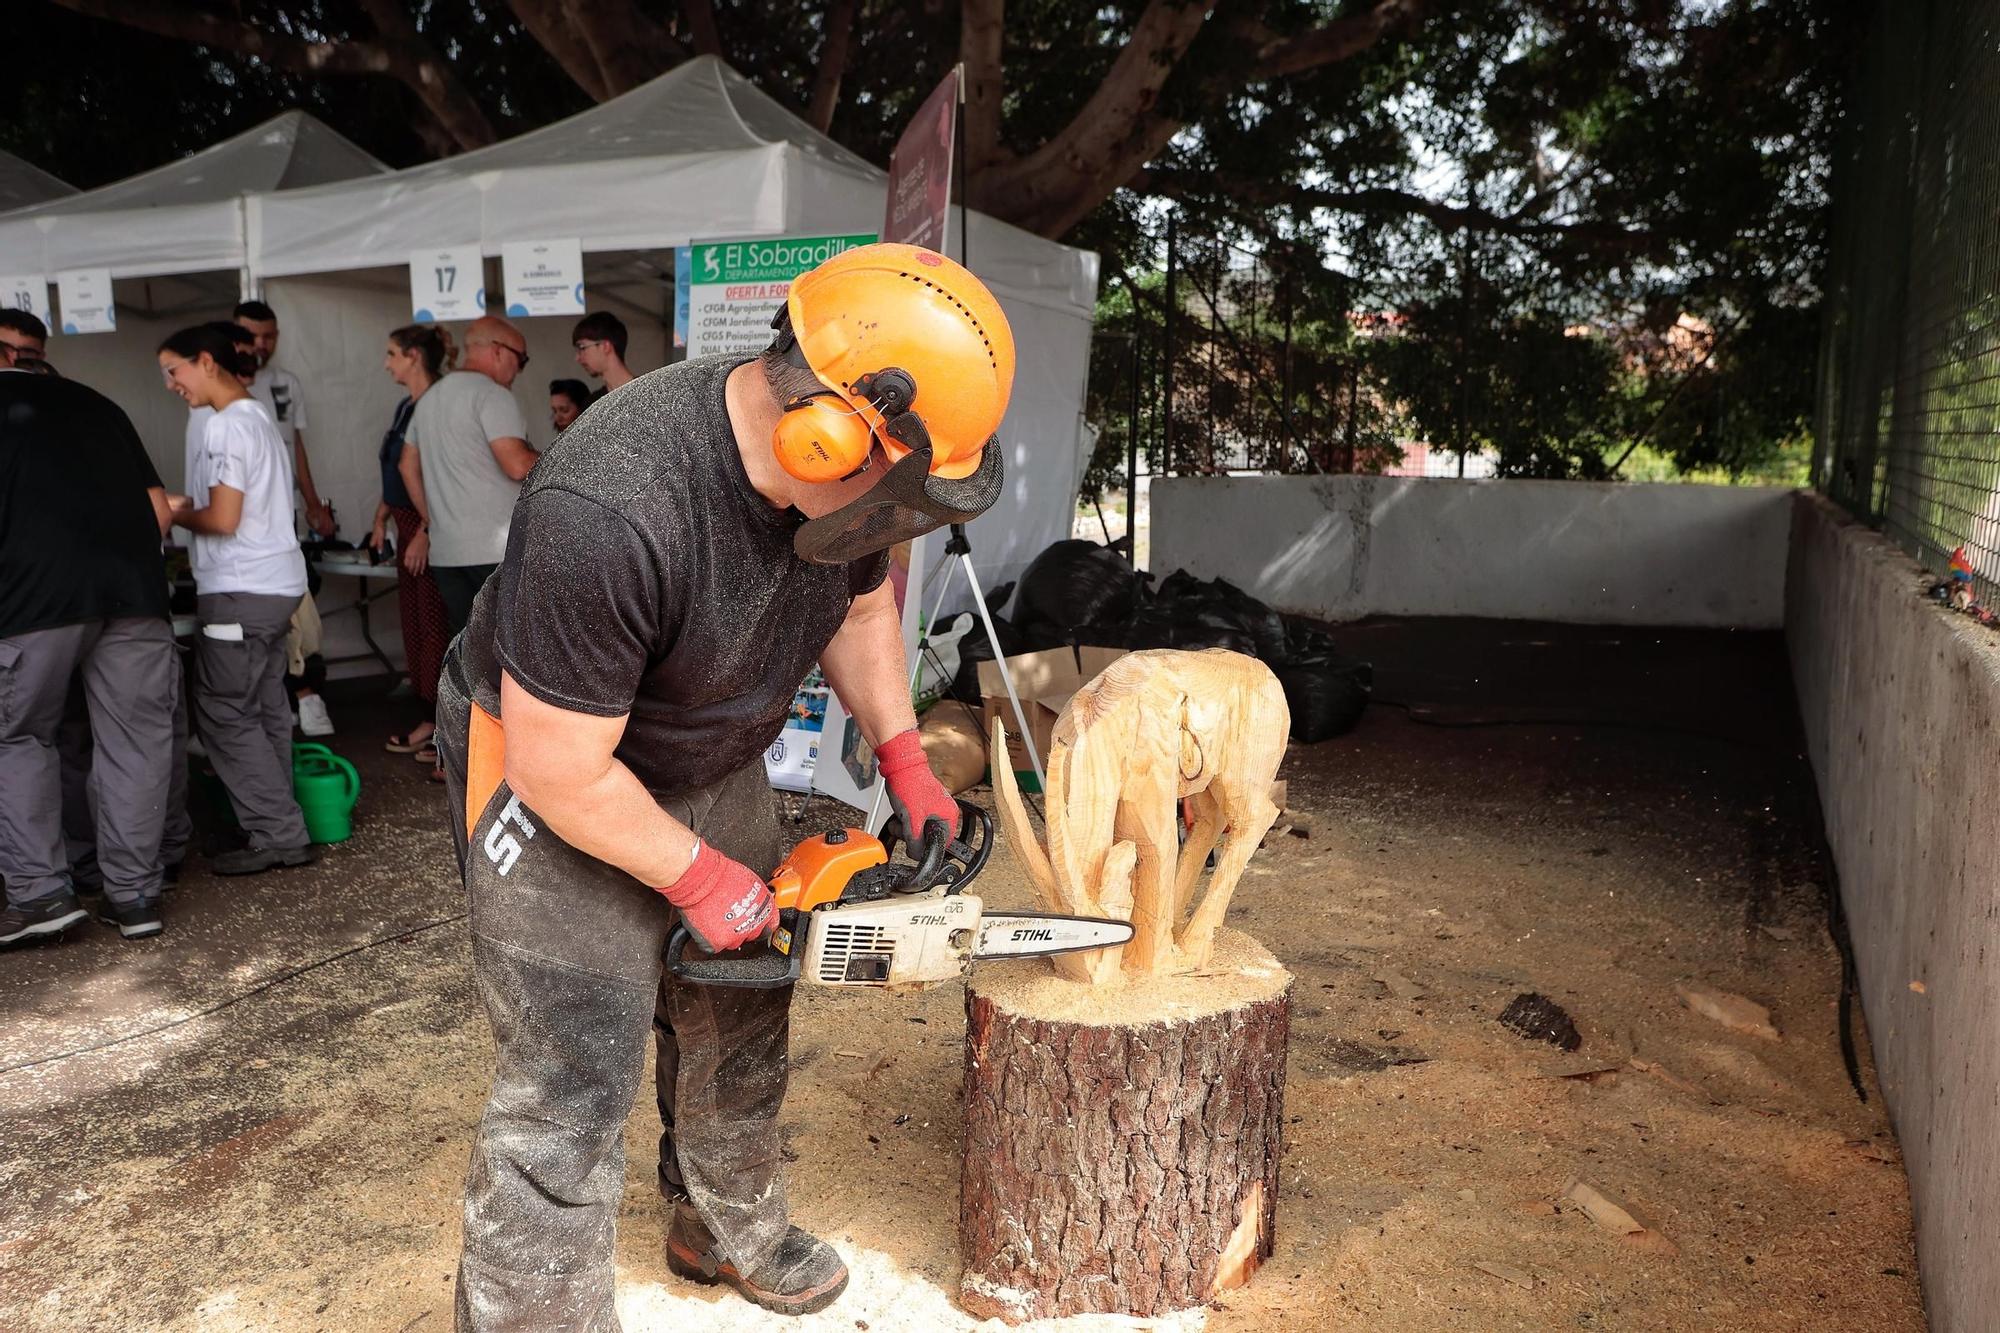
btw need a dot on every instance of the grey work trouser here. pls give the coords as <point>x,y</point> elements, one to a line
<point>243,713</point>
<point>81,797</point>
<point>128,674</point>
<point>566,953</point>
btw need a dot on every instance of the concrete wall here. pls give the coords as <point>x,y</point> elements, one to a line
<point>1899,698</point>
<point>1583,552</point>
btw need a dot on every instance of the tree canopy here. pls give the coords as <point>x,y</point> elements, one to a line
<point>1510,178</point>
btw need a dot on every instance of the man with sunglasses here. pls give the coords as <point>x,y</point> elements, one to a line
<point>465,455</point>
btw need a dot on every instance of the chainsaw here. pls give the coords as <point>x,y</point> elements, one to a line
<point>852,912</point>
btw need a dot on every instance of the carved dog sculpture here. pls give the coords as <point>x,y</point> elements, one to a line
<point>1152,728</point>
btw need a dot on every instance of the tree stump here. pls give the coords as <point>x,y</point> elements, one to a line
<point>1122,1144</point>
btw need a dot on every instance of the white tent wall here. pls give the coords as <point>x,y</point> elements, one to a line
<point>124,366</point>
<point>333,332</point>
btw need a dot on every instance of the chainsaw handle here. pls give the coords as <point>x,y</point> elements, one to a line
<point>942,849</point>
<point>766,969</point>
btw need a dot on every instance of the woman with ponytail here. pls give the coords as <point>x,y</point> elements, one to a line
<point>249,576</point>
<point>417,356</point>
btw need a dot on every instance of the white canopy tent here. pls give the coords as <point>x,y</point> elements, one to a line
<point>185,216</point>
<point>697,154</point>
<point>23,183</point>
<point>173,238</point>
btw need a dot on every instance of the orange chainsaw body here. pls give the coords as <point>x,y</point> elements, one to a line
<point>819,869</point>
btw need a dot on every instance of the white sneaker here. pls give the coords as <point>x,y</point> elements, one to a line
<point>313,719</point>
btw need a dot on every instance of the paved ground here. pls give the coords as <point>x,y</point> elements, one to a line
<point>259,1120</point>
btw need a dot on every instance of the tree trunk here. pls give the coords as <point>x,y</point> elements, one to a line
<point>1122,1144</point>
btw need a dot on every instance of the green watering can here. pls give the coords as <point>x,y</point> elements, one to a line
<point>326,787</point>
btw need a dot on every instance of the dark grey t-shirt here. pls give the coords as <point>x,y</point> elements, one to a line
<point>645,575</point>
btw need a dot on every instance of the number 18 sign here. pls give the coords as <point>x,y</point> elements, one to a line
<point>447,284</point>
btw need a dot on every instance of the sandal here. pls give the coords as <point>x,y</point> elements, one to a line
<point>407,743</point>
<point>437,776</point>
<point>426,754</point>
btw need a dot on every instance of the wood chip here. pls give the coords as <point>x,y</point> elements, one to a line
<point>1505,1273</point>
<point>1869,1151</point>
<point>1593,1074</point>
<point>1607,1210</point>
<point>1733,1011</point>
<point>1537,1208</point>
<point>1619,1218</point>
<point>852,1055</point>
<point>1920,988</point>
<point>1782,934</point>
<point>1672,1080</point>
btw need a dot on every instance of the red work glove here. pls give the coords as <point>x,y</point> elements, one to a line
<point>722,902</point>
<point>914,791</point>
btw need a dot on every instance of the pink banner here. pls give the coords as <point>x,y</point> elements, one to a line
<point>920,171</point>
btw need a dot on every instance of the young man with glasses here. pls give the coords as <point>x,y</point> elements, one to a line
<point>465,455</point>
<point>24,341</point>
<point>599,340</point>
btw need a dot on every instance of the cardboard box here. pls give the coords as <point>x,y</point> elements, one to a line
<point>1045,682</point>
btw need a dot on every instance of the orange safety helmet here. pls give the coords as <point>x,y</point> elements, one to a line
<point>890,328</point>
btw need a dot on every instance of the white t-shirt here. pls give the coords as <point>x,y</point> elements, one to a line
<point>471,500</point>
<point>284,401</point>
<point>197,436</point>
<point>240,449</point>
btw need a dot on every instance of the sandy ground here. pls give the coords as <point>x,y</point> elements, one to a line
<point>1595,815</point>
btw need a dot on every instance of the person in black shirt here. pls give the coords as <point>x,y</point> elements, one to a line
<point>673,569</point>
<point>82,588</point>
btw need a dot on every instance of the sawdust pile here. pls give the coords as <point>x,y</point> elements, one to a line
<point>297,1168</point>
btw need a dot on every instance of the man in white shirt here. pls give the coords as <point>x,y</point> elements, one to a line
<point>465,455</point>
<point>285,403</point>
<point>280,393</point>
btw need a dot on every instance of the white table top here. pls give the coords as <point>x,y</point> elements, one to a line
<point>357,568</point>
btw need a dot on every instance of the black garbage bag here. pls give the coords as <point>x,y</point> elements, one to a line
<point>1070,585</point>
<point>1184,625</point>
<point>1207,607</point>
<point>1326,698</point>
<point>975,648</point>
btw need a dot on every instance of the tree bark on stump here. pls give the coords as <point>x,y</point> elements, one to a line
<point>1122,1145</point>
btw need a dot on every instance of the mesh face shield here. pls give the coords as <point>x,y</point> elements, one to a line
<point>907,503</point>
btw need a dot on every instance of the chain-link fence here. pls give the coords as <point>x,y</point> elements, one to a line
<point>1216,358</point>
<point>1909,411</point>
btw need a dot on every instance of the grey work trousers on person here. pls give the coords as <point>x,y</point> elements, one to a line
<point>81,797</point>
<point>458,586</point>
<point>566,953</point>
<point>127,668</point>
<point>243,714</point>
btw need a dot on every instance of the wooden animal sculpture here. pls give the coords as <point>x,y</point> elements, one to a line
<point>1154,727</point>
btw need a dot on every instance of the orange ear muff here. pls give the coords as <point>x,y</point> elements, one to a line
<point>821,438</point>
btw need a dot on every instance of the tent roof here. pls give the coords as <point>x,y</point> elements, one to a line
<point>185,216</point>
<point>699,153</point>
<point>701,106</point>
<point>292,149</point>
<point>23,183</point>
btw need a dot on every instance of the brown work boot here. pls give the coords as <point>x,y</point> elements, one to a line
<point>803,1274</point>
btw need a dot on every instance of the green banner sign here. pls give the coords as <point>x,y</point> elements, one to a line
<point>776,259</point>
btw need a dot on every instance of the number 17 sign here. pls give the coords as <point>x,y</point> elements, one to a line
<point>447,284</point>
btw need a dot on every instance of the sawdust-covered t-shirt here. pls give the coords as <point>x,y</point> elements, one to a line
<point>645,575</point>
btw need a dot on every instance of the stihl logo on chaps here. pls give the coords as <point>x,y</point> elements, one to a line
<point>502,848</point>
